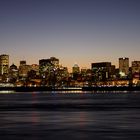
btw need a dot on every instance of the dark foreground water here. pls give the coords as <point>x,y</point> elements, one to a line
<point>70,116</point>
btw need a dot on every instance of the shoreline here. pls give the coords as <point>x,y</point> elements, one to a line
<point>31,89</point>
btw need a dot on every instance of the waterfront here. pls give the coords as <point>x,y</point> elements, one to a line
<point>70,115</point>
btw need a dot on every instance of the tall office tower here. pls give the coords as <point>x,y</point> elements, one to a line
<point>44,65</point>
<point>124,67</point>
<point>135,67</point>
<point>48,65</point>
<point>4,64</point>
<point>101,71</point>
<point>23,62</point>
<point>75,69</point>
<point>24,69</point>
<point>13,73</point>
<point>35,67</point>
<point>54,61</point>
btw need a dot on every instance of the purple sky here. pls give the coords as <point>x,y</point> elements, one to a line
<point>75,31</point>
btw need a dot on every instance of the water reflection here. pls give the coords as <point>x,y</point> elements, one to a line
<point>74,125</point>
<point>35,117</point>
<point>72,117</point>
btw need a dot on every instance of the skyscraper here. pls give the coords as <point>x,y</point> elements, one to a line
<point>135,67</point>
<point>124,67</point>
<point>4,64</point>
<point>75,69</point>
<point>101,71</point>
<point>136,71</point>
<point>24,69</point>
<point>46,65</point>
<point>22,62</point>
<point>54,61</point>
<point>13,73</point>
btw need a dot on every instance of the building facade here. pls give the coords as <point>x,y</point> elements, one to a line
<point>101,71</point>
<point>124,67</point>
<point>48,70</point>
<point>13,73</point>
<point>75,69</point>
<point>136,72</point>
<point>135,67</point>
<point>24,69</point>
<point>4,64</point>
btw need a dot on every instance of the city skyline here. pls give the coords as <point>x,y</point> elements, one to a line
<point>75,31</point>
<point>50,72</point>
<point>6,58</point>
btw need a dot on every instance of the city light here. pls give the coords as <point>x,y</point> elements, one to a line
<point>50,73</point>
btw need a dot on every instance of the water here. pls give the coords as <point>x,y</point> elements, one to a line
<point>73,115</point>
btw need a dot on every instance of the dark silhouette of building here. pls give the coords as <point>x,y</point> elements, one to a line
<point>4,64</point>
<point>123,67</point>
<point>101,71</point>
<point>48,69</point>
<point>13,73</point>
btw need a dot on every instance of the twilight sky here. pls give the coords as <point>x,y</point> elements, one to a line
<point>75,31</point>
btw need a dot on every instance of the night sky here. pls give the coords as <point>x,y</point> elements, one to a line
<point>75,31</point>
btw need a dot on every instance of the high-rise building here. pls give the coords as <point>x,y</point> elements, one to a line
<point>124,67</point>
<point>75,69</point>
<point>48,65</point>
<point>113,72</point>
<point>86,75</point>
<point>135,67</point>
<point>135,72</point>
<point>23,62</point>
<point>35,68</point>
<point>4,64</point>
<point>101,71</point>
<point>75,72</point>
<point>24,69</point>
<point>13,73</point>
<point>54,61</point>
